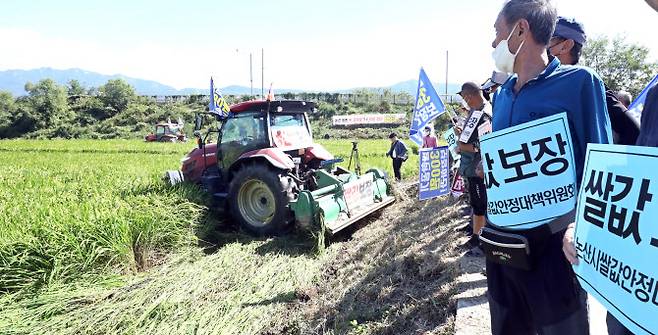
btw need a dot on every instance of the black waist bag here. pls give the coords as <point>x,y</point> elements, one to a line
<point>506,248</point>
<point>520,248</point>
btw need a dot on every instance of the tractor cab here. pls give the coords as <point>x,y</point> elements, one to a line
<point>271,130</point>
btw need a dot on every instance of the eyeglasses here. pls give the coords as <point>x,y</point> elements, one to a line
<point>559,40</point>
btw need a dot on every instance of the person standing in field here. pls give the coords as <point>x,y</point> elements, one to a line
<point>398,153</point>
<point>479,113</point>
<point>567,45</point>
<point>546,298</point>
<point>429,140</point>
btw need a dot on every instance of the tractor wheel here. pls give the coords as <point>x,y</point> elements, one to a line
<point>259,199</point>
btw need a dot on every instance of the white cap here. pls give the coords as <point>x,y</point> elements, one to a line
<point>497,78</point>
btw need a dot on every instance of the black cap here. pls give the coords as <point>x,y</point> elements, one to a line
<point>469,87</point>
<point>392,135</point>
<point>570,29</point>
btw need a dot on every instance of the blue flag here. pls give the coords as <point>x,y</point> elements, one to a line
<point>428,106</point>
<point>635,109</point>
<point>218,104</point>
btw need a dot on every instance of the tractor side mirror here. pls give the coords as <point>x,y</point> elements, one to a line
<point>198,122</point>
<point>199,139</point>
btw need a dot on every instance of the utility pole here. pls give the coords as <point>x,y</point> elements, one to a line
<point>251,74</point>
<point>446,74</point>
<point>262,73</point>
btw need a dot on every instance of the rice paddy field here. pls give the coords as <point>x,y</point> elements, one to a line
<point>93,242</point>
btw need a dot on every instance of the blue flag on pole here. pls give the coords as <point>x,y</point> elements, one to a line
<point>635,109</point>
<point>428,106</point>
<point>218,104</point>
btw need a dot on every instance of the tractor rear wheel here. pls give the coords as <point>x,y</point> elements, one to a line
<point>258,199</point>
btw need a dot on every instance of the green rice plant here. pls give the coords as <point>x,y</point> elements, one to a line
<point>67,214</point>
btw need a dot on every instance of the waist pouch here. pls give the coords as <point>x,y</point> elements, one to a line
<point>506,248</point>
<point>520,249</point>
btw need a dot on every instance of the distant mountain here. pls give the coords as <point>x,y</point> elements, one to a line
<point>14,82</point>
<point>411,86</point>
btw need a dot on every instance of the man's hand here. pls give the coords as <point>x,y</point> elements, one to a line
<point>477,227</point>
<point>479,170</point>
<point>568,246</point>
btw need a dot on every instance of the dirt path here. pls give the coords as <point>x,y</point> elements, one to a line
<point>395,275</point>
<point>472,316</point>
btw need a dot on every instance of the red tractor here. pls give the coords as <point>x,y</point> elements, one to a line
<point>267,172</point>
<point>167,132</point>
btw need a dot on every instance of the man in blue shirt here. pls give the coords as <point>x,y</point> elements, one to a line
<point>398,153</point>
<point>546,299</point>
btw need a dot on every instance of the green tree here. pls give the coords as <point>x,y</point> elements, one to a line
<point>46,106</point>
<point>622,65</point>
<point>7,108</point>
<point>75,88</point>
<point>117,94</point>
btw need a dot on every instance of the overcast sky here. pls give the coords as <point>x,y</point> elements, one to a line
<point>314,45</point>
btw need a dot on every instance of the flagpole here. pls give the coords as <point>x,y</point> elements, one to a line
<point>251,74</point>
<point>262,73</point>
<point>446,73</point>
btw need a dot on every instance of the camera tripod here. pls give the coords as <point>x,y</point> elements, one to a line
<point>355,155</point>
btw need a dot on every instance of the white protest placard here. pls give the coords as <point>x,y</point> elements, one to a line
<point>470,126</point>
<point>617,233</point>
<point>529,173</point>
<point>451,139</point>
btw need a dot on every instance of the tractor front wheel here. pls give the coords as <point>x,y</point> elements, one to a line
<point>258,200</point>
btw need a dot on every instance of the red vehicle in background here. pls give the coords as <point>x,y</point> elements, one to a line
<point>167,132</point>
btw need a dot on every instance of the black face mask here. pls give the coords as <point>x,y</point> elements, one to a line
<point>550,57</point>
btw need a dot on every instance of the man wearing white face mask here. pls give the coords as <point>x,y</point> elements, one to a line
<point>545,299</point>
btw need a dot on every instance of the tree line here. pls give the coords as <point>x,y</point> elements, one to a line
<point>114,110</point>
